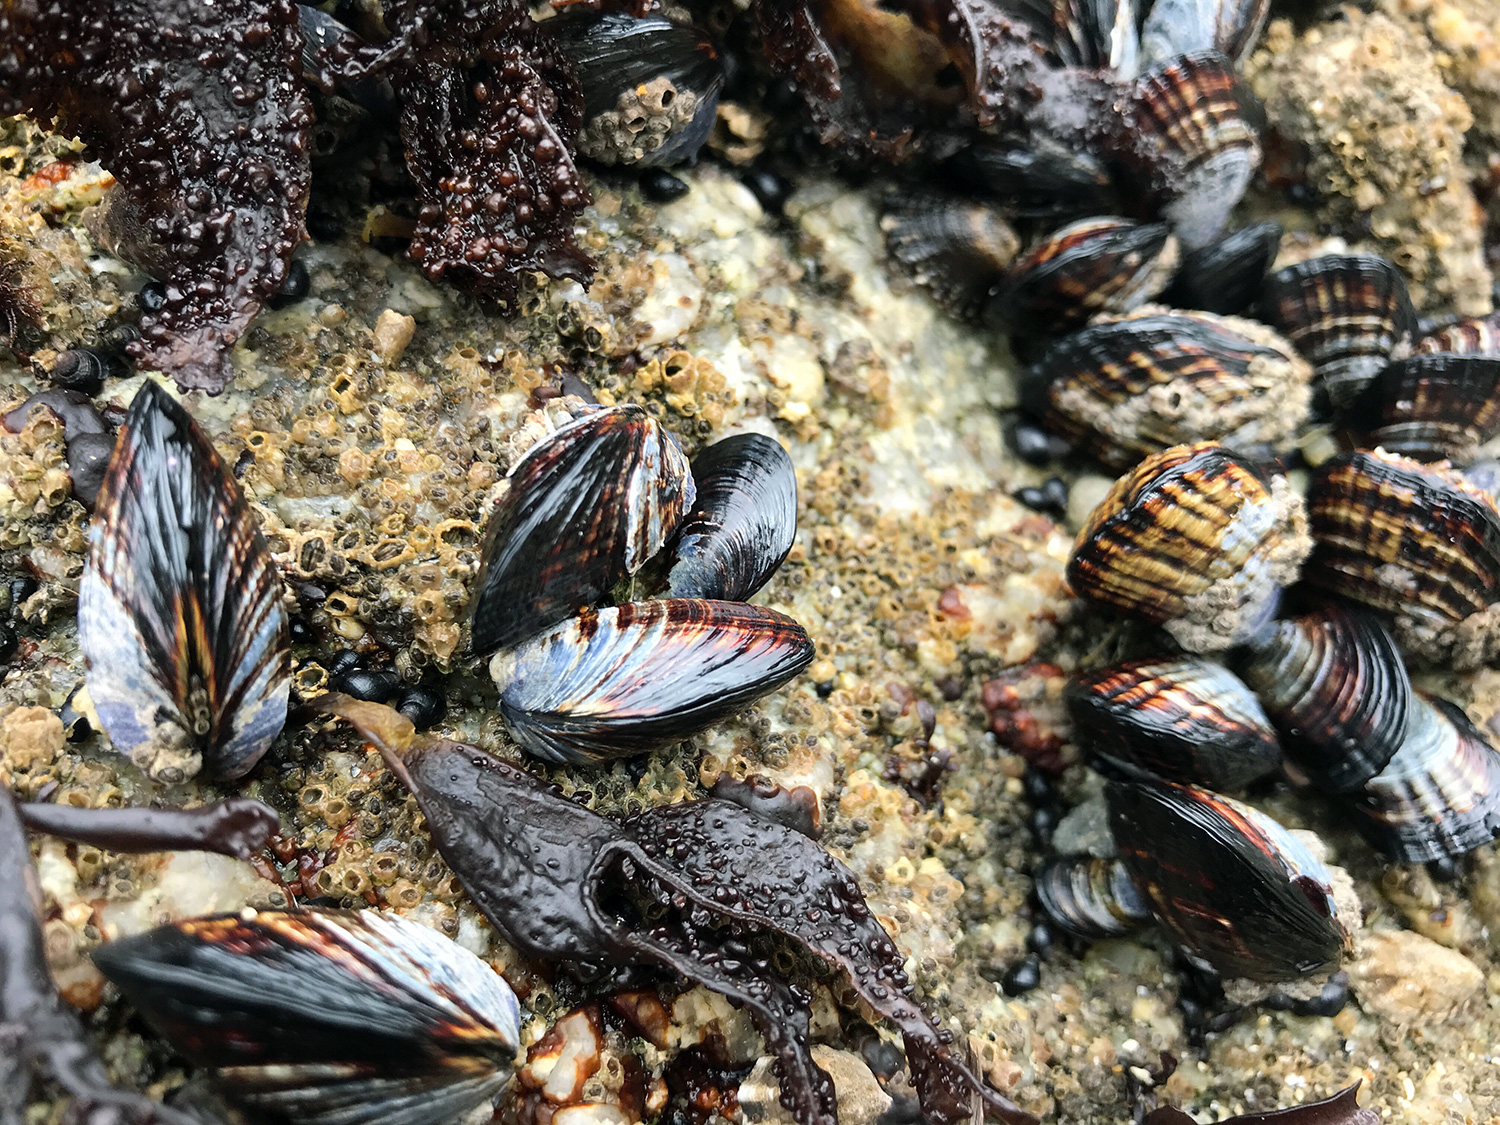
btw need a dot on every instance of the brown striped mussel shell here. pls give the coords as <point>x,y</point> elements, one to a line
<point>1418,544</point>
<point>957,248</point>
<point>1226,275</point>
<point>1091,896</point>
<point>1333,683</point>
<point>1125,389</point>
<point>1432,407</point>
<point>1179,718</point>
<point>1197,539</point>
<point>1470,336</point>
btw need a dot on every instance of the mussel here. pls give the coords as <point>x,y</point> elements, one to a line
<point>1349,314</point>
<point>179,610</point>
<point>1041,180</point>
<point>1419,544</point>
<point>1239,893</point>
<point>1091,896</point>
<point>616,682</point>
<point>1225,276</point>
<point>1174,27</point>
<point>1124,389</point>
<point>1471,336</point>
<point>1439,796</point>
<point>328,1017</point>
<point>1184,719</point>
<point>1196,539</point>
<point>742,524</point>
<point>588,505</point>
<point>1333,684</point>
<point>1431,407</point>
<point>650,86</point>
<point>957,248</point>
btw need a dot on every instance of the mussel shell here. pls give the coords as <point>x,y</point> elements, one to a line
<point>1088,267</point>
<point>743,523</point>
<point>1181,719</point>
<point>636,677</point>
<point>1333,684</point>
<point>1226,275</point>
<point>330,1017</point>
<point>1439,796</point>
<point>1177,27</point>
<point>1236,890</point>
<point>179,610</point>
<point>1128,388</point>
<point>588,505</point>
<point>1431,407</point>
<point>1045,180</point>
<point>650,86</point>
<point>957,248</point>
<point>1347,313</point>
<point>1090,896</point>
<point>1197,539</point>
<point>1413,542</point>
<point>1472,336</point>
<point>1185,138</point>
<point>1088,34</point>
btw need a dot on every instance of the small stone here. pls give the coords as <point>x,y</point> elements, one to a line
<point>1021,977</point>
<point>860,1098</point>
<point>1404,978</point>
<point>660,186</point>
<point>393,332</point>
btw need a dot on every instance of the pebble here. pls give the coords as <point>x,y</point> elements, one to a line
<point>393,332</point>
<point>861,1100</point>
<point>1023,976</point>
<point>660,186</point>
<point>1405,979</point>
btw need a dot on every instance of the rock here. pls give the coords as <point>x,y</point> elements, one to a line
<point>861,1100</point>
<point>1405,978</point>
<point>393,332</point>
<point>30,739</point>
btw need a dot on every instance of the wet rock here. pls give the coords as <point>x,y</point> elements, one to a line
<point>1406,979</point>
<point>861,1100</point>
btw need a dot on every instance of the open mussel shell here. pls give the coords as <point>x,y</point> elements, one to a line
<point>1416,543</point>
<point>1186,142</point>
<point>1128,388</point>
<point>633,678</point>
<point>1349,314</point>
<point>588,505</point>
<point>650,86</point>
<point>1226,276</point>
<point>179,610</point>
<point>1333,684</point>
<point>1091,896</point>
<point>1196,539</point>
<point>957,248</point>
<point>1237,891</point>
<point>1439,796</point>
<point>742,524</point>
<point>1183,719</point>
<point>1092,266</point>
<point>1428,407</point>
<point>1471,336</point>
<point>328,1017</point>
<point>1178,27</point>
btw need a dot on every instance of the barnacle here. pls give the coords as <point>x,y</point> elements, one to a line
<point>197,112</point>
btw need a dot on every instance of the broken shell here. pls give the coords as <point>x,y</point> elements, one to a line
<point>1090,896</point>
<point>179,610</point>
<point>630,679</point>
<point>1196,539</point>
<point>1431,407</point>
<point>957,248</point>
<point>329,1017</point>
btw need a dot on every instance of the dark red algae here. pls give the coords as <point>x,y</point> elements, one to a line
<point>685,888</point>
<point>238,827</point>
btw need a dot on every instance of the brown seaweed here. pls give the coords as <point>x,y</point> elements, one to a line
<point>238,827</point>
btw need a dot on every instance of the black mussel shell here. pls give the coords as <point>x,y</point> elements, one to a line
<point>1226,275</point>
<point>1186,142</point>
<point>1416,543</point>
<point>1238,892</point>
<point>650,86</point>
<point>326,42</point>
<point>1125,389</point>
<point>957,248</point>
<point>1347,313</point>
<point>622,681</point>
<point>1431,407</point>
<point>1090,896</point>
<point>179,610</point>
<point>1092,266</point>
<point>1472,336</point>
<point>1088,34</point>
<point>1043,181</point>
<point>1181,719</point>
<point>588,505</point>
<point>742,525</point>
<point>1439,796</point>
<point>328,1017</point>
<point>1333,684</point>
<point>1178,27</point>
<point>1196,539</point>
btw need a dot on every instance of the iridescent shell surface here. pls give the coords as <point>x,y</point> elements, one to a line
<point>329,1017</point>
<point>1333,683</point>
<point>1128,388</point>
<point>588,505</point>
<point>1238,892</point>
<point>1175,27</point>
<point>1091,896</point>
<point>632,678</point>
<point>1184,719</point>
<point>743,523</point>
<point>1197,539</point>
<point>1432,407</point>
<point>179,609</point>
<point>957,248</point>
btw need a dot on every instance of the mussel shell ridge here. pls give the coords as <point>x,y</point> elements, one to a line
<point>1432,407</point>
<point>622,681</point>
<point>1090,896</point>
